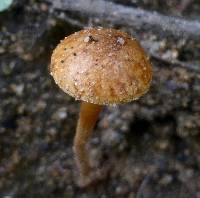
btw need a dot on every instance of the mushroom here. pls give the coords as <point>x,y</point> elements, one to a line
<point>99,67</point>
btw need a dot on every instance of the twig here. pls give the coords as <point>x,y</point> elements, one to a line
<point>131,17</point>
<point>72,21</point>
<point>176,63</point>
<point>142,186</point>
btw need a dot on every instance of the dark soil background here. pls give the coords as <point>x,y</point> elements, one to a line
<point>151,146</point>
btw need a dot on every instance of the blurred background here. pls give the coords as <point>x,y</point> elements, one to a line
<point>151,146</point>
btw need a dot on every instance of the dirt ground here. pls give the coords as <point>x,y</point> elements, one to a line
<point>151,146</point>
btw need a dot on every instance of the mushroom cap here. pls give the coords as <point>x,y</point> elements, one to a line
<point>101,66</point>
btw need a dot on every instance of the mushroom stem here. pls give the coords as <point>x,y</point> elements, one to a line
<point>87,118</point>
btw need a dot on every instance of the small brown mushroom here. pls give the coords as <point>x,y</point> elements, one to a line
<point>99,67</point>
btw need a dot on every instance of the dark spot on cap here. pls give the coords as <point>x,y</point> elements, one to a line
<point>95,39</point>
<point>92,39</point>
<point>74,54</point>
<point>62,61</point>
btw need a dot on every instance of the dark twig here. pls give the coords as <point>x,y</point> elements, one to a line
<point>72,21</point>
<point>131,17</point>
<point>142,186</point>
<point>176,63</point>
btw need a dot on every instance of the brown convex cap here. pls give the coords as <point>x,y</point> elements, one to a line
<point>101,66</point>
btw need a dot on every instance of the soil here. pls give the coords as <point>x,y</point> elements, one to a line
<point>150,147</point>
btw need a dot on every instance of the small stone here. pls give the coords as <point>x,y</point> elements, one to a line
<point>51,22</point>
<point>163,44</point>
<point>174,53</point>
<point>163,144</point>
<point>60,114</point>
<point>166,179</point>
<point>52,132</point>
<point>18,89</point>
<point>44,7</point>
<point>7,69</point>
<point>21,108</point>
<point>121,190</point>
<point>111,137</point>
<point>2,50</point>
<point>27,57</point>
<point>40,106</point>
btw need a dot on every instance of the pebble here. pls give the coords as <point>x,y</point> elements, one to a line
<point>2,50</point>
<point>40,105</point>
<point>121,190</point>
<point>60,114</point>
<point>166,179</point>
<point>18,89</point>
<point>44,7</point>
<point>7,69</point>
<point>111,137</point>
<point>52,132</point>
